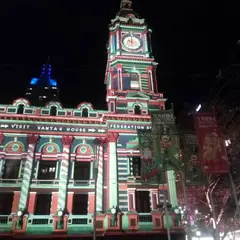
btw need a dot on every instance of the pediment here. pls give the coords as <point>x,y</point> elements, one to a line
<point>137,95</point>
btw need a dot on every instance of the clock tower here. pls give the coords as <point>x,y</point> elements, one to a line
<point>131,69</point>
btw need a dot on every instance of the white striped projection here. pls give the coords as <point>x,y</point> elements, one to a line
<point>32,140</point>
<point>62,193</point>
<point>99,156</point>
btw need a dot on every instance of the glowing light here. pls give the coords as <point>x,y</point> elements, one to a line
<point>198,233</point>
<point>34,81</point>
<point>52,82</point>
<point>227,142</point>
<point>198,108</point>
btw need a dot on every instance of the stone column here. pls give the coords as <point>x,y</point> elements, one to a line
<point>15,202</point>
<point>27,173</point>
<point>64,170</point>
<point>172,188</point>
<point>99,157</point>
<point>113,169</point>
<point>32,202</point>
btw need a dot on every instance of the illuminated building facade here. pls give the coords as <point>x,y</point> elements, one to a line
<point>47,153</point>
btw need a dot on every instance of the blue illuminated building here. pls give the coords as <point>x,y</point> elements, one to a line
<point>43,89</point>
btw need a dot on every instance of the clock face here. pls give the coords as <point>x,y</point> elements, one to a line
<point>131,42</point>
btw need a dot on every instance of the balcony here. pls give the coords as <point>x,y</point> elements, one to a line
<point>5,223</point>
<point>10,182</point>
<point>42,183</point>
<point>79,224</point>
<point>41,225</point>
<point>81,183</point>
<point>83,224</point>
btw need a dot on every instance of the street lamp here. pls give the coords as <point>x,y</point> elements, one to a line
<point>60,213</point>
<point>178,217</point>
<point>19,222</point>
<point>19,213</point>
<point>114,217</point>
<point>60,221</point>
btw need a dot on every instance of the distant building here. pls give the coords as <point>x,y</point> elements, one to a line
<point>43,89</point>
<point>48,152</point>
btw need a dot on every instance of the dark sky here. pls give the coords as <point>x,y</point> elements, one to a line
<point>192,39</point>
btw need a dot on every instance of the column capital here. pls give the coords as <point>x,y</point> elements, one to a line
<point>32,138</point>
<point>1,138</point>
<point>112,137</point>
<point>119,66</point>
<point>149,68</point>
<point>67,140</point>
<point>99,141</point>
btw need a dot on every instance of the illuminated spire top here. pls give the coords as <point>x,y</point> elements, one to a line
<point>45,77</point>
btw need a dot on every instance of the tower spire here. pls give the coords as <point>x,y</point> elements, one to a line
<point>45,77</point>
<point>126,4</point>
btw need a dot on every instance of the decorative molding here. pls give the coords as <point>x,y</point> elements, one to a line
<point>32,138</point>
<point>67,140</point>
<point>112,137</point>
<point>1,138</point>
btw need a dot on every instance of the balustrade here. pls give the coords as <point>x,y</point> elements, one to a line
<point>47,224</point>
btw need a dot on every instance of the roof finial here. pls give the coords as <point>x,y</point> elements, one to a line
<point>126,4</point>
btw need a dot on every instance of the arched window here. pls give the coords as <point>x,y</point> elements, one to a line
<point>85,112</point>
<point>53,111</point>
<point>137,110</point>
<point>134,81</point>
<point>20,109</point>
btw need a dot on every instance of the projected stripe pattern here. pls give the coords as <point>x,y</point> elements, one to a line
<point>28,166</point>
<point>100,179</point>
<point>63,178</point>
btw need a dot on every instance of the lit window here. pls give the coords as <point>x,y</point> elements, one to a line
<point>134,81</point>
<point>47,170</point>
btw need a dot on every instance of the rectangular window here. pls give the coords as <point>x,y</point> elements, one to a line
<point>80,204</point>
<point>11,169</point>
<point>135,169</point>
<point>112,107</point>
<point>131,201</point>
<point>82,171</point>
<point>43,204</point>
<point>134,81</point>
<point>154,200</point>
<point>6,200</point>
<point>143,202</point>
<point>46,170</point>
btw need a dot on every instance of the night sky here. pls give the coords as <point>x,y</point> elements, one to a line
<point>192,39</point>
